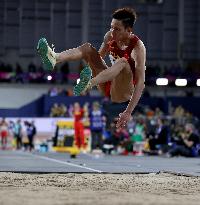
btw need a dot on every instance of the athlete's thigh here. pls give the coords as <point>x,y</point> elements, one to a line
<point>95,61</point>
<point>124,78</point>
<point>122,85</point>
<point>97,64</point>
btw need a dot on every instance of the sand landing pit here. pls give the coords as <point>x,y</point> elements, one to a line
<point>96,189</point>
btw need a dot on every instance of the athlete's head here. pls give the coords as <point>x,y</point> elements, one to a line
<point>122,23</point>
<point>76,106</point>
<point>189,128</point>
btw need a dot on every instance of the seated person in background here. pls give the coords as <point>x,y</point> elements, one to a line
<point>159,142</point>
<point>55,111</point>
<point>118,138</point>
<point>189,146</point>
<point>63,110</point>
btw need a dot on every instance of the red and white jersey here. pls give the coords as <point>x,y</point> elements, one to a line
<point>78,115</point>
<point>115,52</point>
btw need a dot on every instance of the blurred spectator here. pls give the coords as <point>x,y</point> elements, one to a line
<point>63,110</point>
<point>4,132</point>
<point>71,110</point>
<point>122,143</point>
<point>53,92</point>
<point>179,114</point>
<point>156,131</point>
<point>189,145</point>
<point>131,125</point>
<point>69,92</point>
<point>150,127</point>
<point>138,137</point>
<point>149,112</point>
<point>139,131</point>
<point>96,126</point>
<point>118,138</point>
<point>59,110</point>
<point>78,126</point>
<point>179,111</point>
<point>159,141</point>
<point>31,132</point>
<point>55,111</point>
<point>17,131</point>
<point>158,112</point>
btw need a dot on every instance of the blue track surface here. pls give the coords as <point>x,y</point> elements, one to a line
<point>18,161</point>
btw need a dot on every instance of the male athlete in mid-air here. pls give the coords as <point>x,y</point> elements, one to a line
<point>124,80</point>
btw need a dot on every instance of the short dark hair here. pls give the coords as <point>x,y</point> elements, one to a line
<point>126,15</point>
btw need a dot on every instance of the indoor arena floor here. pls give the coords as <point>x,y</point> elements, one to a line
<point>51,162</point>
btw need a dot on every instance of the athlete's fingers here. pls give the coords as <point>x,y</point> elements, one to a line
<point>118,123</point>
<point>121,125</point>
<point>121,122</point>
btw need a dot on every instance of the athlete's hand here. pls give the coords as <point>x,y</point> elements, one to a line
<point>124,117</point>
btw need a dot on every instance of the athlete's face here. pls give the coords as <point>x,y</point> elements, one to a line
<point>76,106</point>
<point>118,31</point>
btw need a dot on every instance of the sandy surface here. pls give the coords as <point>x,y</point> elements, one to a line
<point>95,189</point>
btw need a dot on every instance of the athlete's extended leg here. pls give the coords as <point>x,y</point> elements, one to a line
<point>85,51</point>
<point>104,76</point>
<point>50,58</point>
<point>111,73</point>
<point>47,54</point>
<point>122,80</point>
<point>96,63</point>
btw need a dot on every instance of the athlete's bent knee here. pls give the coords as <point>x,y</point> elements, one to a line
<point>87,46</point>
<point>87,50</point>
<point>123,61</point>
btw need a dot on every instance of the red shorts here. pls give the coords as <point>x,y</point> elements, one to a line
<point>4,133</point>
<point>107,88</point>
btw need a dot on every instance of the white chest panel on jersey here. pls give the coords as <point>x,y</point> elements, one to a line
<point>112,59</point>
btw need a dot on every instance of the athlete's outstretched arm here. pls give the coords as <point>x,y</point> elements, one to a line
<point>139,56</point>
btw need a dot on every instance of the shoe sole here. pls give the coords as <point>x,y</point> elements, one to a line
<point>85,77</point>
<point>42,49</point>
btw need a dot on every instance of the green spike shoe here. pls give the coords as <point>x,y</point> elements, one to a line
<point>84,83</point>
<point>46,53</point>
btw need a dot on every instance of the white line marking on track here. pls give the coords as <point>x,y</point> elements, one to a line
<point>67,163</point>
